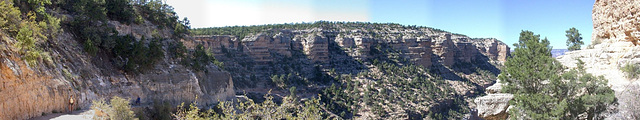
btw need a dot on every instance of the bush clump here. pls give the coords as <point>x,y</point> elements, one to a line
<point>135,56</point>
<point>631,70</point>
<point>290,109</point>
<point>118,110</point>
<point>29,25</point>
<point>201,57</point>
<point>531,75</point>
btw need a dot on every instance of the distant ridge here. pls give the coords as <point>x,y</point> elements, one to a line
<point>558,52</point>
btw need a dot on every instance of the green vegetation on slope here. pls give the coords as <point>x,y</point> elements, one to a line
<point>242,31</point>
<point>541,93</point>
<point>289,109</point>
<point>138,56</point>
<point>408,90</point>
<point>118,109</point>
<point>631,70</point>
<point>30,25</point>
<point>33,22</point>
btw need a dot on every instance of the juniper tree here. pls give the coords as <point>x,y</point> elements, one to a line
<point>574,39</point>
<point>530,64</point>
<point>541,92</point>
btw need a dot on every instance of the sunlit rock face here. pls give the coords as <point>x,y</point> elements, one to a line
<point>616,28</point>
<point>616,21</point>
<point>494,105</point>
<point>421,49</point>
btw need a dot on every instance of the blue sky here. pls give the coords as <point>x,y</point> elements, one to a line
<point>502,19</point>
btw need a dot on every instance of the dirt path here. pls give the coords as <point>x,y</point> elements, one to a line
<point>75,115</point>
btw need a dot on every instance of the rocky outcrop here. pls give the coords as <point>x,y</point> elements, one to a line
<point>616,21</point>
<point>316,47</point>
<point>492,48</point>
<point>615,32</point>
<point>443,47</point>
<point>25,94</point>
<point>612,20</point>
<point>494,105</point>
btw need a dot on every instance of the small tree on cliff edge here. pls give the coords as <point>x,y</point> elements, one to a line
<point>574,39</point>
<point>533,76</point>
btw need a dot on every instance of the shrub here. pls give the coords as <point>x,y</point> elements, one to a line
<point>631,70</point>
<point>91,9</point>
<point>629,98</point>
<point>181,28</point>
<point>161,110</point>
<point>202,57</point>
<point>268,110</point>
<point>159,13</point>
<point>90,47</point>
<point>120,109</point>
<point>119,10</point>
<point>101,109</point>
<point>178,49</point>
<point>136,56</point>
<point>10,17</point>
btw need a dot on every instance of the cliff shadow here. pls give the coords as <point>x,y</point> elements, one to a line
<point>480,72</point>
<point>442,70</point>
<point>341,61</point>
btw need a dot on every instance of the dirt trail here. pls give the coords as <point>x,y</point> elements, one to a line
<point>75,115</point>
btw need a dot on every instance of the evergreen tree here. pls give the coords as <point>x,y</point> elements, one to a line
<point>574,39</point>
<point>531,63</point>
<point>540,92</point>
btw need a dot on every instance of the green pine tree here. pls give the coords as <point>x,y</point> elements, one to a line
<point>531,63</point>
<point>540,92</point>
<point>574,39</point>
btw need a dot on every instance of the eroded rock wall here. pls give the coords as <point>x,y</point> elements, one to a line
<point>616,28</point>
<point>30,91</point>
<point>616,21</point>
<point>421,49</point>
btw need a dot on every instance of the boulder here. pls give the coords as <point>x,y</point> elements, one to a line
<point>493,106</point>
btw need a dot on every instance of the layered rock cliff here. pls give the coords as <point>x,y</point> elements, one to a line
<point>418,48</point>
<point>337,46</point>
<point>312,57</point>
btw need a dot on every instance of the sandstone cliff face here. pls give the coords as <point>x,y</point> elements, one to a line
<point>493,48</point>
<point>616,21</point>
<point>259,55</point>
<point>419,48</point>
<point>30,91</point>
<point>25,94</point>
<point>612,20</point>
<point>616,26</point>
